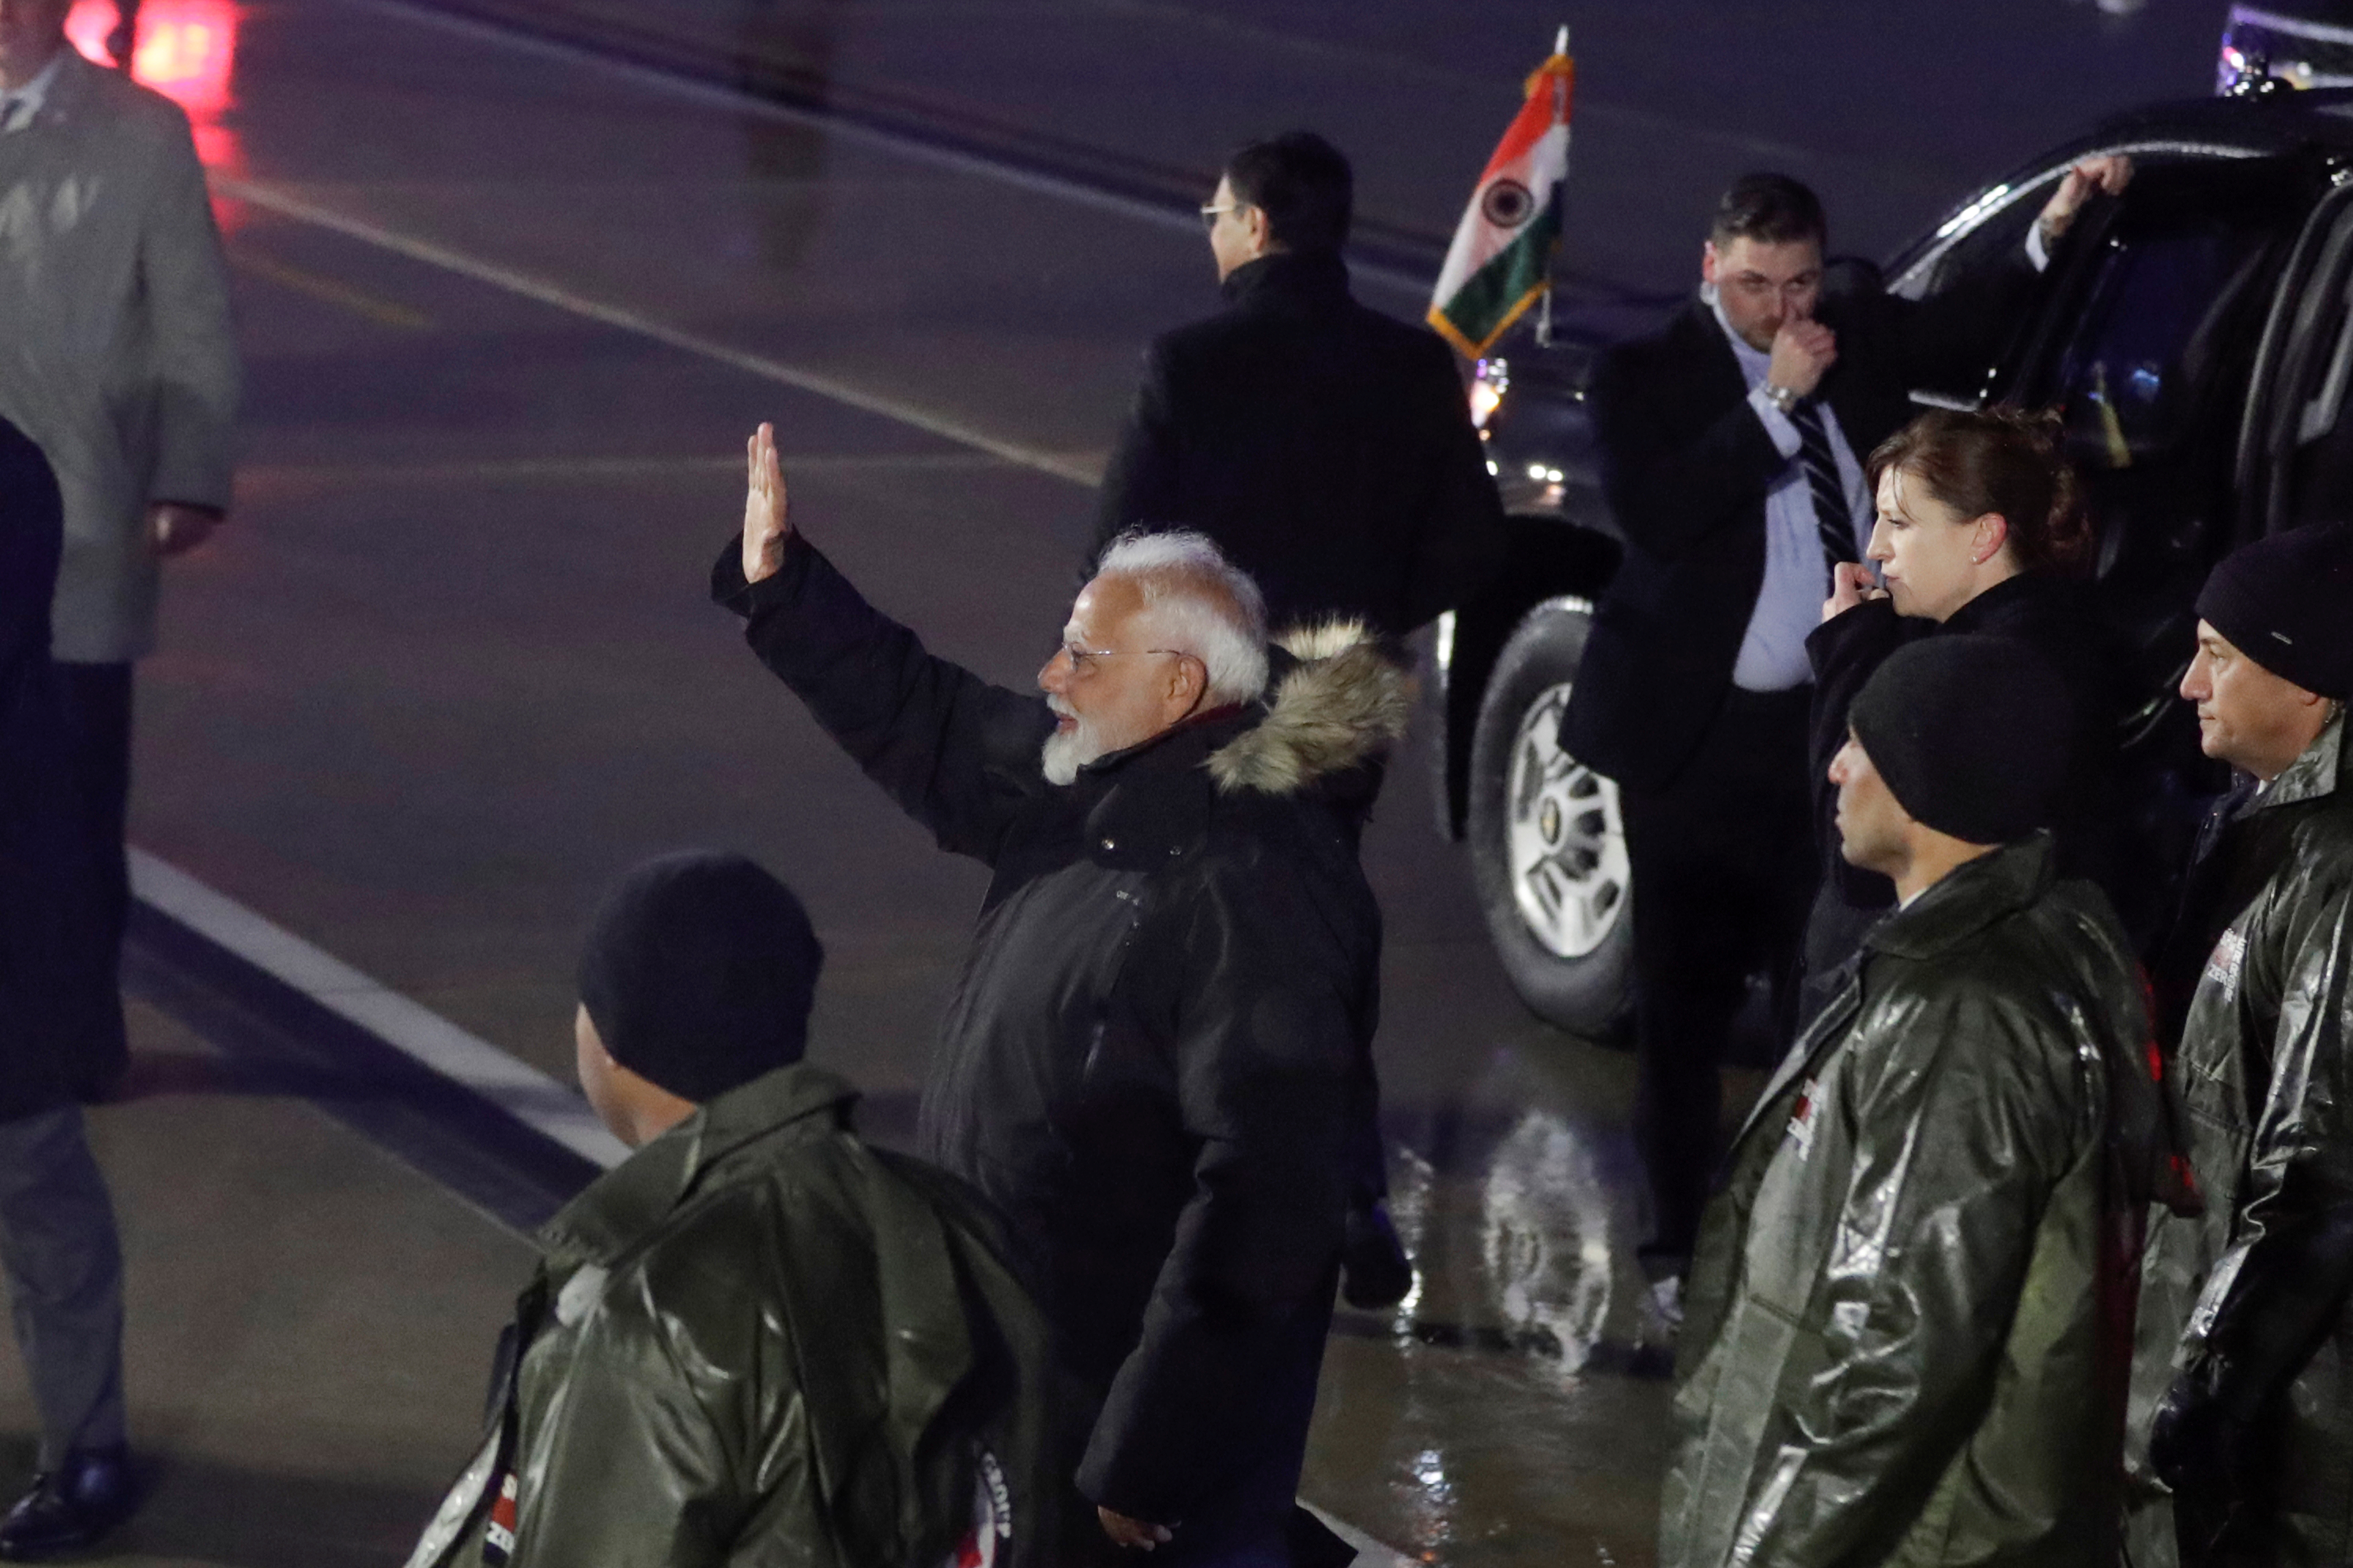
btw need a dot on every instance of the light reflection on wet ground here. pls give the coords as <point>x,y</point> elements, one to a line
<point>1513,1409</point>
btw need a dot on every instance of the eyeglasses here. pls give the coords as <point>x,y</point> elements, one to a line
<point>1210,213</point>
<point>1082,658</point>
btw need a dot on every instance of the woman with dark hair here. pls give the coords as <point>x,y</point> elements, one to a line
<point>1980,530</point>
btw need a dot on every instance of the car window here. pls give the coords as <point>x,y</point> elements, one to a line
<point>1986,236</point>
<point>2154,335</point>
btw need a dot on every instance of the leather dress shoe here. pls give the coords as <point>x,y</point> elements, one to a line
<point>70,1507</point>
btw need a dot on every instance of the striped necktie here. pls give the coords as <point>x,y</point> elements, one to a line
<point>1833,524</point>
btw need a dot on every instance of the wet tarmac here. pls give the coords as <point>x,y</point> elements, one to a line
<point>508,312</point>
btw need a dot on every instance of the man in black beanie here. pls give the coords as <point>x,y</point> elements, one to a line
<point>1906,1328</point>
<point>756,1339</point>
<point>2241,1445</point>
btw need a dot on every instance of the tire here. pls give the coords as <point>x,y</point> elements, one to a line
<point>1547,841</point>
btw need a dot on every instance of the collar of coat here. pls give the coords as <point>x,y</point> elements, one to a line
<point>1336,701</point>
<point>1311,275</point>
<point>2311,775</point>
<point>1973,896</point>
<point>620,1207</point>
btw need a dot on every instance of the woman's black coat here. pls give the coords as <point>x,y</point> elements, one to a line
<point>49,910</point>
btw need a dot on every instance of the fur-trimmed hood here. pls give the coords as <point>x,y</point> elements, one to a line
<point>1343,703</point>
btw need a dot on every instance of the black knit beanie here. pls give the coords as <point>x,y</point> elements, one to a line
<point>699,972</point>
<point>2286,602</point>
<point>1970,732</point>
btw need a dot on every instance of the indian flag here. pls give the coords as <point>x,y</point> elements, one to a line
<point>1501,261</point>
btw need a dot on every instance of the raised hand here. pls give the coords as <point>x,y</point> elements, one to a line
<point>2109,175</point>
<point>1803,350</point>
<point>766,525</point>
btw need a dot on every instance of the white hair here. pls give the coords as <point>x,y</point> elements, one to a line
<point>1200,604</point>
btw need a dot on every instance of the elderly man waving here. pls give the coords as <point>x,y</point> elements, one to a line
<point>1153,1054</point>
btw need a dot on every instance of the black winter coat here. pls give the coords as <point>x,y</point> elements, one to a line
<point>51,979</point>
<point>2057,617</point>
<point>1686,466</point>
<point>1325,446</point>
<point>1153,1056</point>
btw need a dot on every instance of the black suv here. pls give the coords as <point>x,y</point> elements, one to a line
<point>2194,332</point>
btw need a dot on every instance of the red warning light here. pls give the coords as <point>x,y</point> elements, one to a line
<point>185,48</point>
<point>87,25</point>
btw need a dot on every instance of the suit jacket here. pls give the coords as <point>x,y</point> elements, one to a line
<point>1686,464</point>
<point>117,353</point>
<point>1327,447</point>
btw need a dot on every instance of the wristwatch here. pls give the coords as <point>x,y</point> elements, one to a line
<point>1781,397</point>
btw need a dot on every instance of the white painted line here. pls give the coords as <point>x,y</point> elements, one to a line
<point>1370,1553</point>
<point>524,1092</point>
<point>546,291</point>
<point>741,101</point>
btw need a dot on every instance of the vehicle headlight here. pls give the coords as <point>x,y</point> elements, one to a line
<point>1485,398</point>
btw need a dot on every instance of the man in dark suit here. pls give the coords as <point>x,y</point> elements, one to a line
<point>1325,446</point>
<point>1328,449</point>
<point>1731,446</point>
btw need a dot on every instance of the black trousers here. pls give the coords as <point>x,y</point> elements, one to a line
<point>98,717</point>
<point>1723,872</point>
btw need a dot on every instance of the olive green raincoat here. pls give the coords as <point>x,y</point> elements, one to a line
<point>1909,1314</point>
<point>2250,1302</point>
<point>758,1341</point>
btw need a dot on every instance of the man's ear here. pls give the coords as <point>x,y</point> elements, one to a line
<point>1189,681</point>
<point>1260,230</point>
<point>1707,261</point>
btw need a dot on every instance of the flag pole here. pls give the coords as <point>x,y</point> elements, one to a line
<point>1544,314</point>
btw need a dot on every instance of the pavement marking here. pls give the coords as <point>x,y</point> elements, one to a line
<point>569,470</point>
<point>1076,469</point>
<point>359,302</point>
<point>1179,219</point>
<point>523,1091</point>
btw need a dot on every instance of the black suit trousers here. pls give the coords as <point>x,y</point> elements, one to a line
<point>1724,873</point>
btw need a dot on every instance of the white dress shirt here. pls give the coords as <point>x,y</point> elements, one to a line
<point>1797,578</point>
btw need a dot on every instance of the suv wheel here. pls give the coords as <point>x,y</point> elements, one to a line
<point>1547,841</point>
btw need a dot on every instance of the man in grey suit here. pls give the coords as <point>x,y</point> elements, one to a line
<point>118,358</point>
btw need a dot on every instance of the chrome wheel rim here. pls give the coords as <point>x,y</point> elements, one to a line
<point>1566,838</point>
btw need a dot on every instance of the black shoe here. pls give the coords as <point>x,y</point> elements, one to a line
<point>1376,1272</point>
<point>70,1508</point>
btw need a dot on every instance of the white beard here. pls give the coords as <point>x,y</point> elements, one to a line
<point>1068,750</point>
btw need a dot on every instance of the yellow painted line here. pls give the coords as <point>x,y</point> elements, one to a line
<point>581,470</point>
<point>359,302</point>
<point>1077,469</point>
